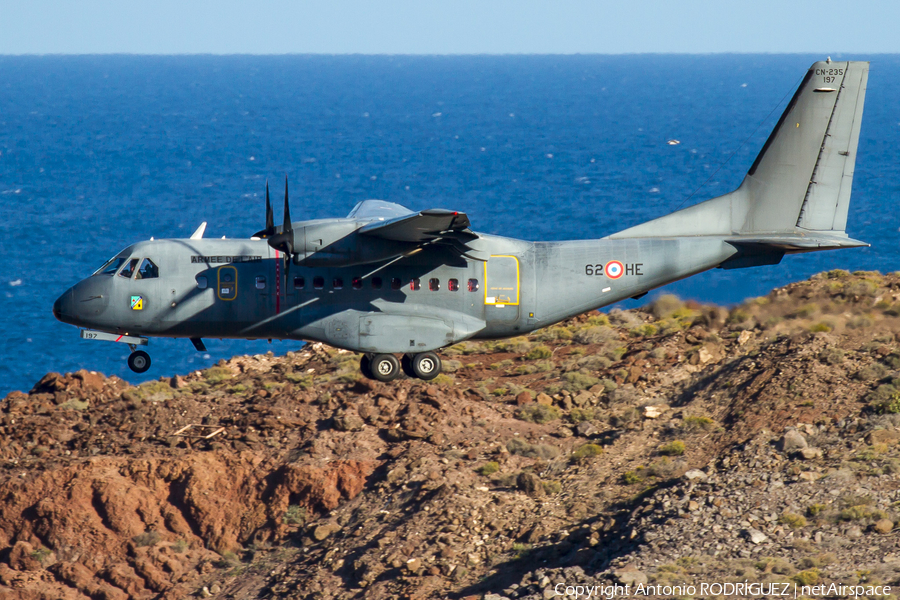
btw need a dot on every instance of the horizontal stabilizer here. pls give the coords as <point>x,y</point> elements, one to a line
<point>798,243</point>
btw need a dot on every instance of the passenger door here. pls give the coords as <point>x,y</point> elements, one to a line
<point>501,289</point>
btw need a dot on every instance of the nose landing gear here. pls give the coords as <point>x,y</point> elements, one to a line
<point>139,361</point>
<point>385,367</point>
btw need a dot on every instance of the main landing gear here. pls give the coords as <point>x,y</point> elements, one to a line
<point>385,367</point>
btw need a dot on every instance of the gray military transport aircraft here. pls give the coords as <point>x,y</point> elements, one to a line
<point>386,280</point>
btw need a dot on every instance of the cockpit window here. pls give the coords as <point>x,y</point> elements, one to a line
<point>148,270</point>
<point>128,271</point>
<point>111,266</point>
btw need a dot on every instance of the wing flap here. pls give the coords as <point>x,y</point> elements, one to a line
<point>421,227</point>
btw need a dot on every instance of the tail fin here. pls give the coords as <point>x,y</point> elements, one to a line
<point>800,182</point>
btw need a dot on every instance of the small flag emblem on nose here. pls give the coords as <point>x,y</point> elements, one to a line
<point>137,303</point>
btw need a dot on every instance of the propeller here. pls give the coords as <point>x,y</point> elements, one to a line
<point>284,241</point>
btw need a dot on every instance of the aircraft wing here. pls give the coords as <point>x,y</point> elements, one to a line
<point>425,226</point>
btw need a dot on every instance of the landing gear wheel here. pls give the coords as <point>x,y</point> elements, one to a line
<point>406,363</point>
<point>385,367</point>
<point>139,361</point>
<point>365,367</point>
<point>426,365</point>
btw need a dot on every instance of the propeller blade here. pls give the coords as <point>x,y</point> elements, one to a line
<point>287,208</point>
<point>270,218</point>
<point>269,231</point>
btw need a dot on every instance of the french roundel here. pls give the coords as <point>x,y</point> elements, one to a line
<point>614,269</point>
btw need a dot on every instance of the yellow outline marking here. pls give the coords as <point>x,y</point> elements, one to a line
<point>518,281</point>
<point>219,282</point>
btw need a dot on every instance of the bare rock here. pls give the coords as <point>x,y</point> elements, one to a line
<point>695,474</point>
<point>523,398</point>
<point>326,529</point>
<point>654,412</point>
<point>755,536</point>
<point>544,399</point>
<point>530,484</point>
<point>792,441</point>
<point>883,526</point>
<point>349,422</point>
<point>586,429</point>
<point>883,436</point>
<point>22,557</point>
<point>810,453</point>
<point>630,576</point>
<point>414,565</point>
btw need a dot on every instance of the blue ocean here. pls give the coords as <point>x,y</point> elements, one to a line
<point>97,152</point>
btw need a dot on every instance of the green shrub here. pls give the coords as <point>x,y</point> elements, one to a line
<point>814,510</point>
<point>595,335</point>
<point>632,477</point>
<point>41,554</point>
<point>295,515</point>
<point>488,468</point>
<point>303,380</point>
<point>820,327</point>
<point>665,306</point>
<point>871,372</point>
<point>577,381</point>
<point>587,451</point>
<point>216,375</point>
<point>792,520</point>
<point>539,352</point>
<point>673,448</point>
<point>808,577</point>
<point>738,315</point>
<point>698,423</point>
<point>537,413</point>
<point>577,415</point>
<point>645,330</point>
<point>831,356</point>
<point>523,448</point>
<point>552,487</point>
<point>148,538</point>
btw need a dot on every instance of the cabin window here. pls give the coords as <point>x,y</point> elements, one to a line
<point>111,266</point>
<point>129,269</point>
<point>434,284</point>
<point>473,285</point>
<point>337,283</point>
<point>318,282</point>
<point>260,282</point>
<point>202,283</point>
<point>299,283</point>
<point>453,285</point>
<point>376,283</point>
<point>415,284</point>
<point>148,270</point>
<point>356,283</point>
<point>396,284</point>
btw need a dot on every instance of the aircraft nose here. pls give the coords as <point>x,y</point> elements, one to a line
<point>64,306</point>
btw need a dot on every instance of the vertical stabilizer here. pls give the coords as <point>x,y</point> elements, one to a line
<point>801,179</point>
<point>803,174</point>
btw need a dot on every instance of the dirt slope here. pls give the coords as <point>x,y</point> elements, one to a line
<point>668,445</point>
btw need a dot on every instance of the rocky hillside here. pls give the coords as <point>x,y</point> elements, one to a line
<point>669,445</point>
